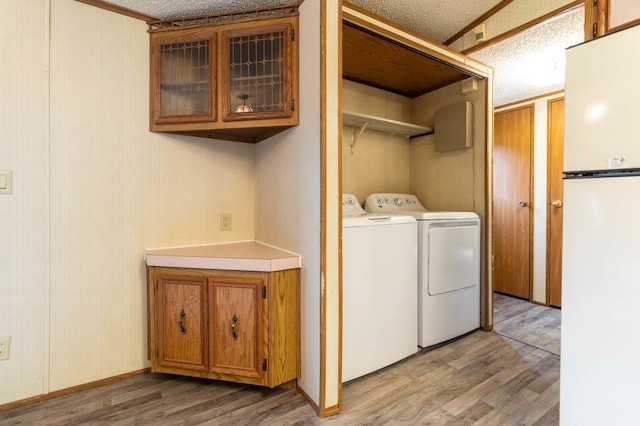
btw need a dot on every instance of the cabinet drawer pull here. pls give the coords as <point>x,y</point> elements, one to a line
<point>183,330</point>
<point>234,320</point>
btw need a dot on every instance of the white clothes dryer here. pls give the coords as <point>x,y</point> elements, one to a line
<point>379,289</point>
<point>448,266</point>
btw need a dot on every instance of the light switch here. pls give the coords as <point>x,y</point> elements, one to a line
<point>5,182</point>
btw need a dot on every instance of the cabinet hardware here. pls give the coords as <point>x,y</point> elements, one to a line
<point>264,364</point>
<point>523,203</point>
<point>234,320</point>
<point>293,34</point>
<point>183,330</point>
<point>293,104</point>
<point>264,291</point>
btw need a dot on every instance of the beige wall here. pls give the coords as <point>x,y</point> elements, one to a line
<point>381,162</point>
<point>24,224</point>
<point>449,180</point>
<point>288,195</point>
<point>92,190</point>
<point>377,162</point>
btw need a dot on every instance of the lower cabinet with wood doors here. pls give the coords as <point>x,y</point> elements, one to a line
<point>237,326</point>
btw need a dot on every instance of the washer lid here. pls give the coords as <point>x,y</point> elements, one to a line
<point>370,219</point>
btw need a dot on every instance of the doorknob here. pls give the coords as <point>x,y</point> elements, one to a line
<point>523,203</point>
<point>556,203</point>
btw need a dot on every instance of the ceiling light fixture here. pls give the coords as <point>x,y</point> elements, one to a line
<point>549,74</point>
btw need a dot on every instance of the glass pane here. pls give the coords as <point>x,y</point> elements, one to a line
<point>256,70</point>
<point>184,78</point>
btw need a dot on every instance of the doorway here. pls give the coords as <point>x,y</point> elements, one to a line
<point>555,149</point>
<point>512,195</point>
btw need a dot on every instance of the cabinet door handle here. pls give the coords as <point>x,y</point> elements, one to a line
<point>183,330</point>
<point>234,320</point>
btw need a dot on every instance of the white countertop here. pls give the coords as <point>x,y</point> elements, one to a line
<point>240,256</point>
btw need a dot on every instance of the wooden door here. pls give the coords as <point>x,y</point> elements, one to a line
<point>236,345</point>
<point>182,324</point>
<point>555,148</point>
<point>512,195</point>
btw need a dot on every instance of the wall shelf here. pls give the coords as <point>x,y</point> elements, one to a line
<point>385,125</point>
<point>360,122</point>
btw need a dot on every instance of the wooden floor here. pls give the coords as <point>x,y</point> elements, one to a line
<point>534,324</point>
<point>481,378</point>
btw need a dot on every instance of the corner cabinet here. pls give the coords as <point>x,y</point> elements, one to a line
<point>236,326</point>
<point>236,81</point>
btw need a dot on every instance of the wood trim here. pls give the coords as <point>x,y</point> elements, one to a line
<point>523,27</point>
<point>487,290</point>
<point>623,26</point>
<point>118,9</point>
<point>261,14</point>
<point>413,40</point>
<point>321,409</point>
<point>532,179</point>
<point>602,17</point>
<point>590,18</point>
<point>72,389</point>
<point>547,220</point>
<point>488,14</point>
<point>340,72</point>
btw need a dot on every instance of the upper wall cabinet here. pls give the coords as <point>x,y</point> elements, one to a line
<point>236,81</point>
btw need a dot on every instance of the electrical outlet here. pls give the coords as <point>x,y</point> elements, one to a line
<point>5,344</point>
<point>225,221</point>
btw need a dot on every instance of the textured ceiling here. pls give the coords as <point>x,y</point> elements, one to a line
<point>438,19</point>
<point>525,58</point>
<point>513,59</point>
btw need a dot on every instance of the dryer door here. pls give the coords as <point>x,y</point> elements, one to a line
<point>453,257</point>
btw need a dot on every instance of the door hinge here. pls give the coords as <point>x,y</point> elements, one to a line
<point>595,2</point>
<point>264,291</point>
<point>293,33</point>
<point>264,364</point>
<point>293,104</point>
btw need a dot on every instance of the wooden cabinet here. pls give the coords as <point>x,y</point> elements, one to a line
<point>228,325</point>
<point>234,81</point>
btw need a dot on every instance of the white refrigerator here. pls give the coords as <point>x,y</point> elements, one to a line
<point>600,355</point>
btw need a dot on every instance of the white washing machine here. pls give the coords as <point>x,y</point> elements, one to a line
<point>379,289</point>
<point>448,266</point>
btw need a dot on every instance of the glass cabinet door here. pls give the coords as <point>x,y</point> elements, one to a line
<point>257,73</point>
<point>183,78</point>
